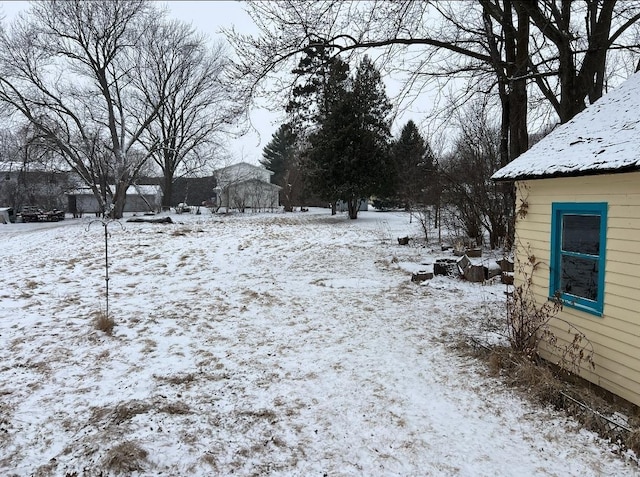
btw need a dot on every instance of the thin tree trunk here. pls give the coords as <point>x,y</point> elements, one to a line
<point>352,207</point>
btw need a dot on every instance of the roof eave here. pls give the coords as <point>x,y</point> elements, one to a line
<point>580,173</point>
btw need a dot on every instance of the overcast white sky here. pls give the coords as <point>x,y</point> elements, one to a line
<point>209,17</point>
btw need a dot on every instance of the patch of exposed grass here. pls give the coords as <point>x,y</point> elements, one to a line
<point>72,262</point>
<point>541,382</point>
<point>70,300</point>
<point>104,323</point>
<point>149,346</point>
<point>210,459</point>
<point>267,414</point>
<point>178,378</point>
<point>180,232</point>
<point>125,458</point>
<point>127,411</point>
<point>175,408</point>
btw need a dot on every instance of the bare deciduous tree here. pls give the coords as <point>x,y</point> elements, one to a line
<point>493,45</point>
<point>478,202</point>
<point>73,69</point>
<point>580,35</point>
<point>186,132</point>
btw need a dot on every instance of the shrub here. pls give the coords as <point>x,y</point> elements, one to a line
<point>125,458</point>
<point>104,322</point>
<point>528,323</point>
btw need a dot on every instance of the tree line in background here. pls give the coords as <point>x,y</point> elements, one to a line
<point>112,88</point>
<point>500,69</point>
<point>337,146</point>
<point>115,88</point>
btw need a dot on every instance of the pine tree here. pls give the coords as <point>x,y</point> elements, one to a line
<point>281,157</point>
<point>278,154</point>
<point>332,123</point>
<point>350,149</point>
<point>414,166</point>
<point>319,74</point>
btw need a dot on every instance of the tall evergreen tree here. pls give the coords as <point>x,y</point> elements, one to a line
<point>350,149</point>
<point>282,158</point>
<point>414,167</point>
<point>278,154</point>
<point>321,78</point>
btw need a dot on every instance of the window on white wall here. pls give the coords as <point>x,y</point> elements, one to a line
<point>578,244</point>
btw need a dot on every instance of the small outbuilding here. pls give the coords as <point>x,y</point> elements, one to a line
<point>578,218</point>
<point>140,198</point>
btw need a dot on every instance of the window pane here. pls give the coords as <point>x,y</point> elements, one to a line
<point>581,234</point>
<point>580,277</point>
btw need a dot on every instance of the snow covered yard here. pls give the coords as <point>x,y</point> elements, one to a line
<point>258,345</point>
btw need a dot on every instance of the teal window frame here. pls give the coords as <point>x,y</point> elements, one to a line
<point>558,211</point>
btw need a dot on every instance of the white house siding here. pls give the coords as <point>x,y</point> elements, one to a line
<point>86,203</point>
<point>241,172</point>
<point>245,186</point>
<point>616,335</point>
<point>255,195</point>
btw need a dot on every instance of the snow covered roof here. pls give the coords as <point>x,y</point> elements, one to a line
<point>132,190</point>
<point>243,165</point>
<point>603,138</point>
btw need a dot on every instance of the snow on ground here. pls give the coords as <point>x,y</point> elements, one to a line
<point>264,344</point>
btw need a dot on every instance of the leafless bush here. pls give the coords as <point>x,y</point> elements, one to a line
<point>528,323</point>
<point>423,214</point>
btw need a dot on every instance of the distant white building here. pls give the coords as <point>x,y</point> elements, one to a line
<point>6,214</point>
<point>363,205</point>
<point>140,198</point>
<point>245,186</point>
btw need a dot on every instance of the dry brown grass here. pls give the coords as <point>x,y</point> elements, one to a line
<point>211,459</point>
<point>633,441</point>
<point>125,458</point>
<point>178,379</point>
<point>127,411</point>
<point>267,414</point>
<point>104,323</point>
<point>545,384</point>
<point>72,262</point>
<point>180,232</point>
<point>69,300</point>
<point>175,408</point>
<point>149,345</point>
